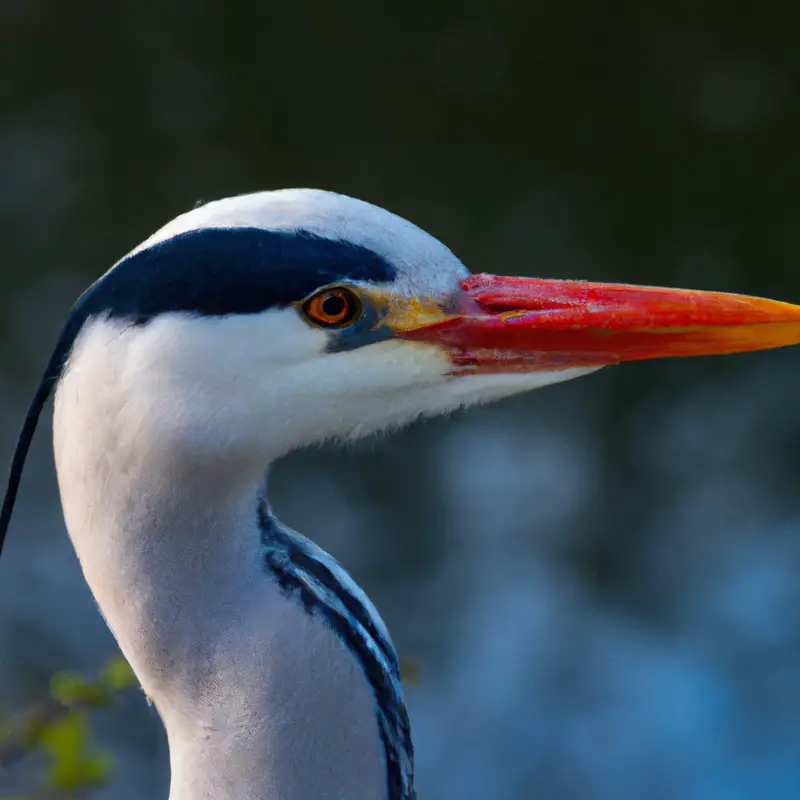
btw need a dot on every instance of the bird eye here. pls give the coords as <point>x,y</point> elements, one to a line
<point>334,307</point>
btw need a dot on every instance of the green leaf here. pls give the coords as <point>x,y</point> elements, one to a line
<point>74,764</point>
<point>72,690</point>
<point>118,675</point>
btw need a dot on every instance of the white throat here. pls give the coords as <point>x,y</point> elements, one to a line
<point>260,699</point>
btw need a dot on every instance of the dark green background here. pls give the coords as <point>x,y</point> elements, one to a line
<point>600,580</point>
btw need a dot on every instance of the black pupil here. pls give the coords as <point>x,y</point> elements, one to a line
<point>334,305</point>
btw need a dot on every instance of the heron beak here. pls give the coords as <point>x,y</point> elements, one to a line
<point>505,324</point>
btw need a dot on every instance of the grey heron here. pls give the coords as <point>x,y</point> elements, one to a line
<point>244,329</point>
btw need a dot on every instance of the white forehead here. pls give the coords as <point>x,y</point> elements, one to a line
<point>423,263</point>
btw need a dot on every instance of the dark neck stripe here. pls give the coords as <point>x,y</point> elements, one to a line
<point>392,717</point>
<point>322,574</point>
<point>280,549</point>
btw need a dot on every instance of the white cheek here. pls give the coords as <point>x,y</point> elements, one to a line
<point>360,391</point>
<point>273,338</point>
<point>207,383</point>
<point>257,386</point>
<point>264,383</point>
<point>383,367</point>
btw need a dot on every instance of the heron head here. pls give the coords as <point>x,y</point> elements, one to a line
<point>282,318</point>
<point>257,324</point>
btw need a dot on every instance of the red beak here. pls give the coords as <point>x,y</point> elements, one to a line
<point>527,324</point>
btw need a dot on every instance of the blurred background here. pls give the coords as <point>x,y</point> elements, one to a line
<point>599,581</point>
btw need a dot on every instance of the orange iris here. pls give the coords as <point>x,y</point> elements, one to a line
<point>333,307</point>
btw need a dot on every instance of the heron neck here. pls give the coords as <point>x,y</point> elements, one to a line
<point>246,681</point>
<point>171,555</point>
